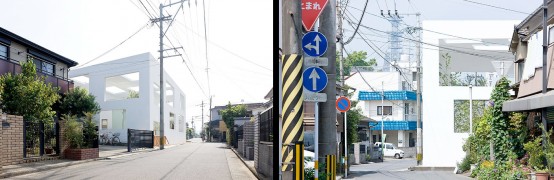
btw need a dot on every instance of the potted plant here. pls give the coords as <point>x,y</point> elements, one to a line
<point>79,148</point>
<point>48,149</point>
<point>536,158</point>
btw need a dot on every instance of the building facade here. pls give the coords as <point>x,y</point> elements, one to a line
<point>450,65</point>
<point>15,49</point>
<point>395,112</point>
<point>128,93</point>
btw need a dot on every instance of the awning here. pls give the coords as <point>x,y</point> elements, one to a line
<point>395,125</point>
<point>532,102</point>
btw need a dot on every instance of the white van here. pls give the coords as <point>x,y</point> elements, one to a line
<point>390,150</point>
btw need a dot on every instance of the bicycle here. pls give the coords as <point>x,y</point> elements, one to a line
<point>114,137</point>
<point>104,139</point>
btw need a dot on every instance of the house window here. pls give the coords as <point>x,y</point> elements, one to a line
<point>104,123</point>
<point>388,110</point>
<point>171,121</point>
<point>406,111</point>
<point>44,66</point>
<point>124,86</point>
<point>3,51</point>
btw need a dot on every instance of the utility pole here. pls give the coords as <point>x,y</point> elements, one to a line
<point>209,121</point>
<point>419,148</point>
<point>202,125</point>
<point>161,19</point>
<point>328,112</point>
<point>292,34</point>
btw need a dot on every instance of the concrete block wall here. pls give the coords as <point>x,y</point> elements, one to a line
<point>12,141</point>
<point>409,152</point>
<point>248,136</point>
<point>265,160</point>
<point>240,147</point>
<point>256,141</point>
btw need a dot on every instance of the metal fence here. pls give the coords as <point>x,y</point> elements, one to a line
<point>266,125</point>
<point>139,139</point>
<point>40,139</point>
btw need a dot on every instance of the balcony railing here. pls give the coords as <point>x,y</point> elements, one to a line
<point>11,66</point>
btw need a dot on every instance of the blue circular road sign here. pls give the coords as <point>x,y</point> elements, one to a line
<point>342,104</point>
<point>314,79</point>
<point>314,44</point>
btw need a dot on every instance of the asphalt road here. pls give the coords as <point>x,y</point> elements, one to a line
<point>193,160</point>
<point>395,169</point>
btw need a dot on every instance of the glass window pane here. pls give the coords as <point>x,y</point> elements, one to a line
<point>3,52</point>
<point>118,119</point>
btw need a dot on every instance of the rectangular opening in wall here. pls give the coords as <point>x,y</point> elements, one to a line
<point>183,106</point>
<point>118,119</point>
<point>125,86</point>
<point>465,62</point>
<point>461,114</point>
<point>157,128</point>
<point>82,81</point>
<point>156,94</point>
<point>169,96</point>
<point>104,123</point>
<point>171,121</point>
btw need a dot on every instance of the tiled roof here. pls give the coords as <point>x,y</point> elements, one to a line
<point>395,125</point>
<point>389,95</point>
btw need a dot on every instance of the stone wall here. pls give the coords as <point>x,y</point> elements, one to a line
<point>12,140</point>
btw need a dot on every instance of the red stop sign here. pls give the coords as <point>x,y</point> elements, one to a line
<point>311,9</point>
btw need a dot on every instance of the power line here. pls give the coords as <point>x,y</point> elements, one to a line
<point>206,40</point>
<point>110,50</point>
<point>497,7</point>
<point>477,40</point>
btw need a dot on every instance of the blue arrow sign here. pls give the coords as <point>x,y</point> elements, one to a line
<point>314,43</point>
<point>315,79</point>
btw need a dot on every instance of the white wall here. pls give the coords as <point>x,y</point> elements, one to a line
<point>441,146</point>
<point>139,112</point>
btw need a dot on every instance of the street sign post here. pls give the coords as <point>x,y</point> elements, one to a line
<point>311,9</point>
<point>314,79</point>
<point>314,44</point>
<point>342,104</point>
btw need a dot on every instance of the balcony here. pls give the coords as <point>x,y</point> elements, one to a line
<point>10,66</point>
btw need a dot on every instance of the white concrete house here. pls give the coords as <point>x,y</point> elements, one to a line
<point>128,93</point>
<point>479,59</point>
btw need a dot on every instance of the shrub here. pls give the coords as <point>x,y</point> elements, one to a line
<point>73,132</point>
<point>536,154</point>
<point>465,165</point>
<point>90,134</point>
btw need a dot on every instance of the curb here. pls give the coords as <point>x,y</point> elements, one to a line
<point>249,168</point>
<point>45,168</point>
<point>71,163</point>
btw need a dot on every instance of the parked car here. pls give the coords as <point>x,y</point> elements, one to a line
<point>309,159</point>
<point>391,150</point>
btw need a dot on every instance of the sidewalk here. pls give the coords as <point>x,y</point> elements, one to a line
<point>248,163</point>
<point>106,152</point>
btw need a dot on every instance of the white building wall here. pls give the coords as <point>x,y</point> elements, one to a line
<point>140,113</point>
<point>441,146</point>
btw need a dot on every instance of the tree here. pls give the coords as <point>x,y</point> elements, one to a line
<point>228,114</point>
<point>500,121</point>
<point>77,102</point>
<point>27,95</point>
<point>356,58</point>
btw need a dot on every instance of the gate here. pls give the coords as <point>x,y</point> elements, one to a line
<point>139,139</point>
<point>40,138</point>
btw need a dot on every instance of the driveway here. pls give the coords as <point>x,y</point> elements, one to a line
<point>397,169</point>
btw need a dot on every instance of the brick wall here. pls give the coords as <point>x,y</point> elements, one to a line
<point>80,154</point>
<point>12,141</point>
<point>1,145</point>
<point>63,144</point>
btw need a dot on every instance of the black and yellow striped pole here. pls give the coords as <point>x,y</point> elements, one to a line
<point>293,110</point>
<point>299,161</point>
